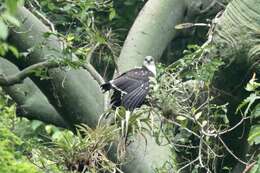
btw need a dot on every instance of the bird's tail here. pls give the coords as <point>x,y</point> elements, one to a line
<point>106,86</point>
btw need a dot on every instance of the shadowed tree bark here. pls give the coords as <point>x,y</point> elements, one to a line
<point>74,93</point>
<point>237,36</point>
<point>31,102</point>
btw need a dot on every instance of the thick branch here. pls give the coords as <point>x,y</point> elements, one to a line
<point>151,32</point>
<point>31,103</point>
<point>21,75</point>
<point>74,93</point>
<point>93,73</point>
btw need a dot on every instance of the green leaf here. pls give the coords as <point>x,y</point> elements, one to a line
<point>35,124</point>
<point>197,116</point>
<point>181,118</point>
<point>12,5</point>
<point>112,14</point>
<point>70,37</point>
<point>57,135</point>
<point>48,129</point>
<point>256,112</point>
<point>254,135</point>
<point>11,19</point>
<point>252,85</point>
<point>14,51</point>
<point>256,167</point>
<point>3,30</point>
<point>248,101</point>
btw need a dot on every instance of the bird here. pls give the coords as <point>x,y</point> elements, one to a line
<point>131,87</point>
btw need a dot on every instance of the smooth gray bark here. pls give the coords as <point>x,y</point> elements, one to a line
<point>151,32</point>
<point>74,93</point>
<point>31,102</point>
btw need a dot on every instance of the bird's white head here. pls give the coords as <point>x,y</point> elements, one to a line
<point>149,64</point>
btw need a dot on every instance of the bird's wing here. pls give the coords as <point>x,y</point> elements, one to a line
<point>116,99</point>
<point>132,79</point>
<point>135,98</point>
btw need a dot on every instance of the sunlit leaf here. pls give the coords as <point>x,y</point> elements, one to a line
<point>204,123</point>
<point>254,135</point>
<point>197,116</point>
<point>48,129</point>
<point>181,118</point>
<point>14,51</point>
<point>36,124</point>
<point>256,112</point>
<point>248,101</point>
<point>3,30</point>
<point>11,19</point>
<point>112,14</point>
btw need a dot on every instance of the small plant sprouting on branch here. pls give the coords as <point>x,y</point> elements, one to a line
<point>85,151</point>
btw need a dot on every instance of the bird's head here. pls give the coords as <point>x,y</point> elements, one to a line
<point>149,64</point>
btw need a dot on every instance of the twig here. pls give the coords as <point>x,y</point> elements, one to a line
<point>185,166</point>
<point>189,25</point>
<point>230,152</point>
<point>93,73</point>
<point>248,167</point>
<point>41,16</point>
<point>99,80</point>
<point>200,153</point>
<point>184,146</point>
<point>225,131</point>
<point>213,3</point>
<point>88,59</point>
<point>20,76</point>
<point>195,134</point>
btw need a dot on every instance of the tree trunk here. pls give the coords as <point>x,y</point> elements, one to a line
<point>77,97</point>
<point>236,41</point>
<point>31,102</point>
<point>74,93</point>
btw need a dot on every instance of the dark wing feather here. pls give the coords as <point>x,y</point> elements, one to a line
<point>132,79</point>
<point>135,98</point>
<point>130,88</point>
<point>116,99</point>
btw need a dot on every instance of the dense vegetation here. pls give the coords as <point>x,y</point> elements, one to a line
<point>184,111</point>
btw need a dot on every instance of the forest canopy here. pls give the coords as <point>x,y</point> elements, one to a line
<point>201,113</point>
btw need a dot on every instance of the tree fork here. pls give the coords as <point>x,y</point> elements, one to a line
<point>31,102</point>
<point>65,89</point>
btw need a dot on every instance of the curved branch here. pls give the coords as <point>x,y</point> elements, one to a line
<point>31,103</point>
<point>74,93</point>
<point>94,73</point>
<point>151,32</point>
<point>21,75</point>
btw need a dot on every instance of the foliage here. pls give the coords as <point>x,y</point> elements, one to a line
<point>7,19</point>
<point>82,152</point>
<point>32,146</point>
<point>12,158</point>
<point>89,28</point>
<point>256,167</point>
<point>181,99</point>
<point>252,109</point>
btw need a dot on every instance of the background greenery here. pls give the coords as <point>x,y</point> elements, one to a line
<point>94,30</point>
